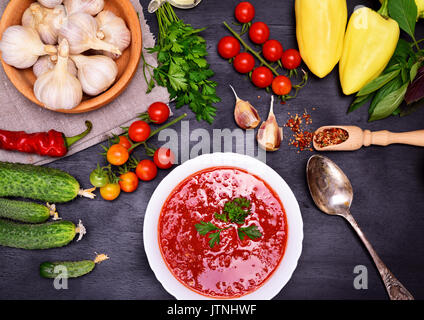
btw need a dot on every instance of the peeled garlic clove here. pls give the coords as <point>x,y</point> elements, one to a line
<point>57,88</point>
<point>21,46</point>
<point>245,115</point>
<point>50,3</point>
<point>270,134</point>
<point>80,30</point>
<point>113,29</point>
<point>91,7</point>
<point>47,63</point>
<point>96,73</point>
<point>46,21</point>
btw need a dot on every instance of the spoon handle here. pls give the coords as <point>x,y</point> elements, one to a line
<point>384,138</point>
<point>394,288</point>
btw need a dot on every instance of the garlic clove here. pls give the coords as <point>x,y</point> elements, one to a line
<point>47,63</point>
<point>21,46</point>
<point>113,29</point>
<point>91,7</point>
<point>57,88</point>
<point>245,115</point>
<point>46,21</point>
<point>80,30</point>
<point>50,3</point>
<point>270,134</point>
<point>96,73</point>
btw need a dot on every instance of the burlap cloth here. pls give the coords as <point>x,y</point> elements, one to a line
<point>19,114</point>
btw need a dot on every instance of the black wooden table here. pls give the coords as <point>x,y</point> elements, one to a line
<point>388,184</point>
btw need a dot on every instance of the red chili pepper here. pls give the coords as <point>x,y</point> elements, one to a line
<point>52,143</point>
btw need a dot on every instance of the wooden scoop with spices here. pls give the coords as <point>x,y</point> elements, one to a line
<point>349,138</point>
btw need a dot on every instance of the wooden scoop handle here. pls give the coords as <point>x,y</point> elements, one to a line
<point>384,138</point>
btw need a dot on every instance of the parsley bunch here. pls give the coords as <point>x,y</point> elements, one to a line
<point>182,67</point>
<point>235,211</point>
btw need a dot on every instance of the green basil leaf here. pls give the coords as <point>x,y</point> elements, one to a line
<point>405,13</point>
<point>389,104</point>
<point>377,83</point>
<point>393,85</point>
<point>359,102</point>
<point>414,70</point>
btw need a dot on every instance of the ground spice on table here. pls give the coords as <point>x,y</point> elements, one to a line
<point>302,138</point>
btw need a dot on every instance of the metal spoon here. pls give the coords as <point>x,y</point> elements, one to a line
<point>155,4</point>
<point>333,194</point>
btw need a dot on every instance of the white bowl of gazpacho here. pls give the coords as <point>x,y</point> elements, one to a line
<point>223,226</point>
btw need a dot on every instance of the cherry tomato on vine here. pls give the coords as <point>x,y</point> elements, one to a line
<point>281,85</point>
<point>99,177</point>
<point>262,77</point>
<point>128,182</point>
<point>164,158</point>
<point>146,170</point>
<point>272,50</point>
<point>228,47</point>
<point>139,131</point>
<point>291,59</point>
<point>259,32</point>
<point>111,191</point>
<point>125,142</point>
<point>158,112</point>
<point>244,62</point>
<point>244,12</point>
<point>117,155</point>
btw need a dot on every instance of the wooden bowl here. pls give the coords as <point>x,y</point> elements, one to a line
<point>24,80</point>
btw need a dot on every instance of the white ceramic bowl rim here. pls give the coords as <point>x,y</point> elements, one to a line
<point>291,256</point>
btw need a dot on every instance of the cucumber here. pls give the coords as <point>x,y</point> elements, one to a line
<point>74,269</point>
<point>26,211</point>
<point>38,183</point>
<point>39,236</point>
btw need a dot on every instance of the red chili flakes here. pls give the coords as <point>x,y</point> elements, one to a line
<point>331,136</point>
<point>302,138</point>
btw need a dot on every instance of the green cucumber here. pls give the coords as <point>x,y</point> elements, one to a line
<point>74,269</point>
<point>38,183</point>
<point>26,211</point>
<point>39,236</point>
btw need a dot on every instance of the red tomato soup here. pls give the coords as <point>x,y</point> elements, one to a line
<point>232,267</point>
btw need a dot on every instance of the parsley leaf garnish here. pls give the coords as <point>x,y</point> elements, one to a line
<point>182,65</point>
<point>235,211</point>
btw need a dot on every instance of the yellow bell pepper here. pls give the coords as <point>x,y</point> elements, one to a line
<point>320,29</point>
<point>370,42</point>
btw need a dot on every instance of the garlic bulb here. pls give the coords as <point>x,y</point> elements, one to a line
<point>270,134</point>
<point>80,30</point>
<point>245,115</point>
<point>50,3</point>
<point>92,7</point>
<point>47,63</point>
<point>57,88</point>
<point>47,22</point>
<point>113,30</point>
<point>21,47</point>
<point>96,73</point>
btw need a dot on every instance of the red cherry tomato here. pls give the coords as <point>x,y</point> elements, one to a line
<point>291,59</point>
<point>244,62</point>
<point>259,32</point>
<point>117,155</point>
<point>128,182</point>
<point>262,77</point>
<point>281,85</point>
<point>244,12</point>
<point>164,158</point>
<point>139,131</point>
<point>125,142</point>
<point>228,47</point>
<point>272,50</point>
<point>146,170</point>
<point>158,112</point>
